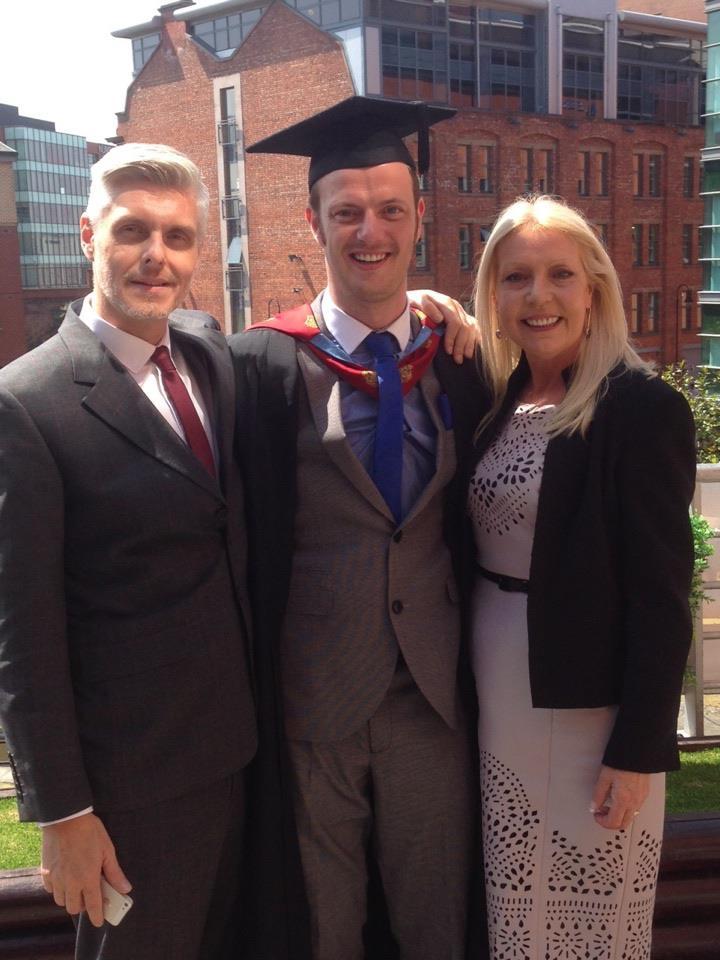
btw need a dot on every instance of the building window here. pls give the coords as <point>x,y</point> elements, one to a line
<point>647,174</point>
<point>235,277</point>
<point>223,35</point>
<point>685,304</point>
<point>654,162</point>
<point>593,166</point>
<point>635,312</point>
<point>465,247</point>
<point>232,208</point>
<point>584,173</point>
<point>414,64</point>
<point>463,69</point>
<point>601,168</point>
<point>143,48</point>
<point>638,174</point>
<point>659,77</point>
<point>537,170</point>
<point>485,156</point>
<point>687,239</point>
<point>507,61</point>
<point>464,168</point>
<point>653,312</point>
<point>637,244</point>
<point>421,253</point>
<point>653,249</point>
<point>328,13</point>
<point>583,60</point>
<point>688,177</point>
<point>602,232</point>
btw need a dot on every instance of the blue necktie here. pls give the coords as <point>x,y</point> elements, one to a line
<point>388,457</point>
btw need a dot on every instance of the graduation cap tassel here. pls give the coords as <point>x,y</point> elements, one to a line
<point>423,140</point>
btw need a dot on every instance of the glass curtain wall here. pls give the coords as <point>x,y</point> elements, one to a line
<point>52,180</point>
<point>710,231</point>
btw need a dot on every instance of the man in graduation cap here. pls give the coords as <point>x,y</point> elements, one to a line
<point>351,421</point>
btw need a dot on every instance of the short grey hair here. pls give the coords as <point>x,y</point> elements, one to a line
<point>149,163</point>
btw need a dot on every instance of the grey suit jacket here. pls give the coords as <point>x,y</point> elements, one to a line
<point>124,674</point>
<point>363,589</point>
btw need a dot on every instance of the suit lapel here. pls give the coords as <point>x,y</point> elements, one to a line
<point>445,457</point>
<point>116,399</point>
<point>323,390</point>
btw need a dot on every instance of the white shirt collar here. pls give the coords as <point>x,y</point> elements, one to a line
<point>132,352</point>
<point>350,332</point>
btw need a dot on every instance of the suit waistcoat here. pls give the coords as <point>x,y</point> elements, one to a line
<point>362,589</point>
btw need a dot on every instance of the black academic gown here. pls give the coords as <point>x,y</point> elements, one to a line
<point>268,381</point>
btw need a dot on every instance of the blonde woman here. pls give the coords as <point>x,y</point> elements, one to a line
<point>583,473</point>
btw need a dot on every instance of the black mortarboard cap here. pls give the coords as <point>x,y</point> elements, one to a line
<point>358,132</point>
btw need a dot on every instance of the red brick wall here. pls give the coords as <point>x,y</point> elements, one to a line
<point>447,208</point>
<point>171,101</point>
<point>12,322</point>
<point>290,69</point>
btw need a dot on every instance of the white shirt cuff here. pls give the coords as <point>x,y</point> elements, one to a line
<point>73,816</point>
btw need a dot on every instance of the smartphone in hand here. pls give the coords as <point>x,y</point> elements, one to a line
<point>115,905</point>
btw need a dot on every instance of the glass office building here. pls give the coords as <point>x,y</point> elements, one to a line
<point>52,179</point>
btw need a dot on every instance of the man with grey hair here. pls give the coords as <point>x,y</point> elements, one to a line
<point>124,664</point>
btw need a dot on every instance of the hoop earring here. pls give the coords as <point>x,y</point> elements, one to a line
<point>588,328</point>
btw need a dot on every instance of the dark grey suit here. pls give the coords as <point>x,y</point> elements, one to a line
<point>124,678</point>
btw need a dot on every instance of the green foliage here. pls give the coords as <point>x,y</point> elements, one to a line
<point>702,534</point>
<point>701,389</point>
<point>695,787</point>
<point>19,842</point>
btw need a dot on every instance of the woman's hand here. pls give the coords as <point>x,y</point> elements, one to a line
<point>618,797</point>
<point>460,329</point>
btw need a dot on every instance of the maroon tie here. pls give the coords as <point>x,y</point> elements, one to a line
<point>187,414</point>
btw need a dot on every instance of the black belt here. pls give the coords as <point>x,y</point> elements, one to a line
<point>509,584</point>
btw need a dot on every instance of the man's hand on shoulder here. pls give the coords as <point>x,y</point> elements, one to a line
<point>74,855</point>
<point>461,333</point>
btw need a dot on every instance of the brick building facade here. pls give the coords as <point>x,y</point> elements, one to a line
<point>210,80</point>
<point>12,324</point>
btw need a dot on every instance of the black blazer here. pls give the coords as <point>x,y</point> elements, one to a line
<point>608,613</point>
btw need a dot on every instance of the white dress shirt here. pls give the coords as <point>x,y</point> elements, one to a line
<point>359,410</point>
<point>134,354</point>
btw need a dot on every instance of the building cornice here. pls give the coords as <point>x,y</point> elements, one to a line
<point>661,23</point>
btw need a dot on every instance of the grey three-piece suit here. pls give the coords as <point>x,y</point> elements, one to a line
<point>366,648</point>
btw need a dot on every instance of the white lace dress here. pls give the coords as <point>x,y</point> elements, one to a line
<point>559,887</point>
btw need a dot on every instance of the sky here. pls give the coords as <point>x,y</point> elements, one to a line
<point>60,63</point>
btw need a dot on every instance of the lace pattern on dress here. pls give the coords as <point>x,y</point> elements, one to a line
<point>499,494</point>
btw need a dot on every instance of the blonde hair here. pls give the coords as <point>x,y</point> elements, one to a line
<point>152,163</point>
<point>608,344</point>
